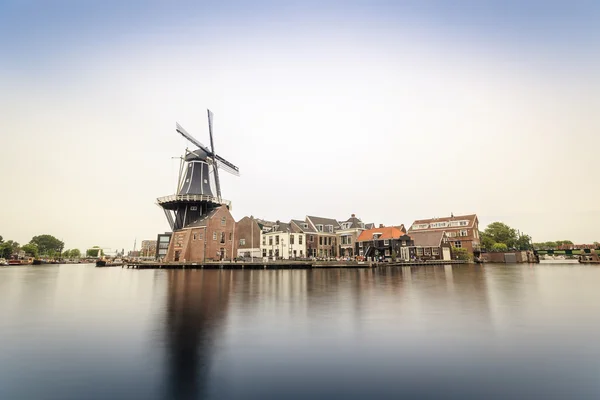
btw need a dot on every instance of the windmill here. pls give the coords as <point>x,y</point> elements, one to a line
<point>194,196</point>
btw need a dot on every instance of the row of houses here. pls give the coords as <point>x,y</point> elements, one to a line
<point>217,236</point>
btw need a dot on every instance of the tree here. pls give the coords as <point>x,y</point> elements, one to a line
<point>75,253</point>
<point>47,244</point>
<point>66,253</point>
<point>597,245</point>
<point>1,239</point>
<point>501,233</point>
<point>8,248</point>
<point>487,242</point>
<point>460,253</point>
<point>523,242</point>
<point>500,247</point>
<point>30,249</point>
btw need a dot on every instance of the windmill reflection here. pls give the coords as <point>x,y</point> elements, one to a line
<point>197,303</point>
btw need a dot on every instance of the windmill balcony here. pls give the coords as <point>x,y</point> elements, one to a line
<point>191,198</point>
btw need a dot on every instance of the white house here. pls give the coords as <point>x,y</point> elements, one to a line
<point>283,242</point>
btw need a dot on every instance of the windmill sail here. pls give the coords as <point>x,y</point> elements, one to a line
<point>212,148</point>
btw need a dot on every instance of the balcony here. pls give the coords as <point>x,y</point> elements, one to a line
<point>191,198</point>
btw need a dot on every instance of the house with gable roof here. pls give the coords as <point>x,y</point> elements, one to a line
<point>386,241</point>
<point>430,245</point>
<point>283,241</point>
<point>461,230</point>
<point>323,235</point>
<point>347,235</point>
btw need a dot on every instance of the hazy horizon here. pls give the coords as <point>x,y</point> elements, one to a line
<point>390,111</point>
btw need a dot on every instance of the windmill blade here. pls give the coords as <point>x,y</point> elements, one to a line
<point>212,148</point>
<point>227,166</point>
<point>189,137</point>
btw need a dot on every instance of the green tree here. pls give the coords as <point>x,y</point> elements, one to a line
<point>1,239</point>
<point>30,249</point>
<point>523,242</point>
<point>66,253</point>
<point>460,253</point>
<point>487,242</point>
<point>501,233</point>
<point>8,248</point>
<point>75,253</point>
<point>500,247</point>
<point>47,244</point>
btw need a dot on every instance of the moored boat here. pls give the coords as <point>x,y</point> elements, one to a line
<point>3,262</point>
<point>103,262</point>
<point>591,258</point>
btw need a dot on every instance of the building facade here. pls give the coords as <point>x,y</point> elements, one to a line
<point>148,249</point>
<point>283,241</point>
<point>323,239</point>
<point>462,230</point>
<point>347,235</point>
<point>429,246</point>
<point>248,236</point>
<point>210,238</point>
<point>162,245</point>
<point>389,243</point>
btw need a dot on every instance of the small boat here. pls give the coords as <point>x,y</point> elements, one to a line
<point>23,261</point>
<point>103,262</point>
<point>3,262</point>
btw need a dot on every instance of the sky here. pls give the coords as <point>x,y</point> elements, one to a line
<point>393,111</point>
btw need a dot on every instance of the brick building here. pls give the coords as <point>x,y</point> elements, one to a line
<point>248,237</point>
<point>461,230</point>
<point>210,238</point>
<point>148,249</point>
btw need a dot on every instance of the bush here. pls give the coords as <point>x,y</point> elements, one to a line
<point>459,253</point>
<point>499,247</point>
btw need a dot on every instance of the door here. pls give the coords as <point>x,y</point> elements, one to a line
<point>446,253</point>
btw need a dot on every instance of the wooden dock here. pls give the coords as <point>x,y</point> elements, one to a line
<point>283,264</point>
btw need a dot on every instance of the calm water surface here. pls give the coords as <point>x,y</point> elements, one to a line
<point>493,332</point>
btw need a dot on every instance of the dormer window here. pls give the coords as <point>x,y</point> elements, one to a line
<point>376,236</point>
<point>305,226</point>
<point>320,227</point>
<point>330,228</point>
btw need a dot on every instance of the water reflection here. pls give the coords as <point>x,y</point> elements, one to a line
<point>197,303</point>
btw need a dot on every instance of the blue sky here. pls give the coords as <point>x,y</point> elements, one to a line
<point>475,99</point>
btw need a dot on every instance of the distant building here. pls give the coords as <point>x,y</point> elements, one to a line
<point>462,230</point>
<point>432,245</point>
<point>322,241</point>
<point>162,247</point>
<point>248,233</point>
<point>283,241</point>
<point>386,241</point>
<point>209,238</point>
<point>148,249</point>
<point>347,234</point>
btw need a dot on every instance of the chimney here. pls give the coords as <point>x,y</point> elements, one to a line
<point>353,215</point>
<point>381,226</point>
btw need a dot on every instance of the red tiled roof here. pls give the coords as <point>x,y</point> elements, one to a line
<point>387,232</point>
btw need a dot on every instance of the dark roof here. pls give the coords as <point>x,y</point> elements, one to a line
<point>370,225</point>
<point>262,223</point>
<point>281,227</point>
<point>203,219</point>
<point>354,222</point>
<point>324,221</point>
<point>298,223</point>
<point>427,239</point>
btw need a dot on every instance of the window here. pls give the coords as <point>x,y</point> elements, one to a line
<point>277,240</point>
<point>222,237</point>
<point>464,223</point>
<point>427,251</point>
<point>242,242</point>
<point>451,234</point>
<point>330,228</point>
<point>300,253</point>
<point>360,244</point>
<point>214,235</point>
<point>295,253</point>
<point>476,234</point>
<point>320,227</point>
<point>420,226</point>
<point>201,236</point>
<point>435,251</point>
<point>387,252</point>
<point>223,221</point>
<point>419,251</point>
<point>164,238</point>
<point>276,252</point>
<point>321,240</point>
<point>457,244</point>
<point>299,239</point>
<point>194,208</point>
<point>439,225</point>
<point>291,239</point>
<point>264,252</point>
<point>464,233</point>
<point>360,252</point>
<point>305,226</point>
<point>270,253</point>
<point>329,241</point>
<point>404,243</point>
<point>194,236</point>
<point>311,238</point>
<point>376,236</point>
<point>270,240</point>
<point>386,242</point>
<point>230,236</point>
<point>264,240</point>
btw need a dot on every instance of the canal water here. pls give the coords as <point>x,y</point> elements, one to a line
<point>454,332</point>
